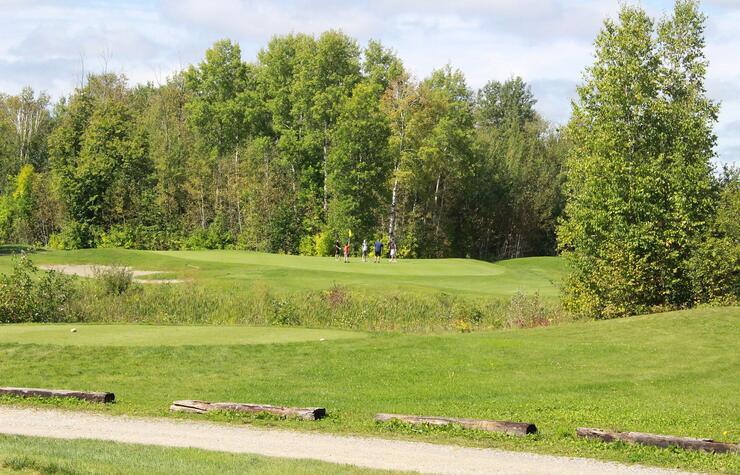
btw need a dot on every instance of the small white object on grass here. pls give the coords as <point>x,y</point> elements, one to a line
<point>74,330</point>
<point>322,339</point>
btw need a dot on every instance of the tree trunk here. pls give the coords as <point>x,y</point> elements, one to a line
<point>326,159</point>
<point>392,217</point>
<point>237,187</point>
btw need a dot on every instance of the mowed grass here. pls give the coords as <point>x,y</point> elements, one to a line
<point>242,269</point>
<point>53,456</point>
<point>163,335</point>
<point>673,373</point>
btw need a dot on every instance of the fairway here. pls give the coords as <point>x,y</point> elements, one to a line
<point>157,335</point>
<point>672,373</point>
<point>286,273</point>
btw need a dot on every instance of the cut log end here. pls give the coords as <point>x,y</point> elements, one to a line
<point>657,440</point>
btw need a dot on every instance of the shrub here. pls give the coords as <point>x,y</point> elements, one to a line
<point>75,235</point>
<point>26,298</point>
<point>714,270</point>
<point>284,312</point>
<point>307,246</point>
<point>527,311</point>
<point>216,236</point>
<point>324,244</point>
<point>141,237</point>
<point>115,280</point>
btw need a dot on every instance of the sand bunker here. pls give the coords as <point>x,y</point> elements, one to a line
<point>90,271</point>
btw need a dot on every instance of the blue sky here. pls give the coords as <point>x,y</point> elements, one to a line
<point>45,43</point>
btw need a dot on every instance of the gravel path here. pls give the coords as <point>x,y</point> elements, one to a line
<point>364,452</point>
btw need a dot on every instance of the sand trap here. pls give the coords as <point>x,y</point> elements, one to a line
<point>89,270</point>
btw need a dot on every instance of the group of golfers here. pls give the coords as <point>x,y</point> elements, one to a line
<point>377,247</point>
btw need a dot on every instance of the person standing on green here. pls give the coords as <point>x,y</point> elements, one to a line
<point>364,250</point>
<point>378,250</point>
<point>337,249</point>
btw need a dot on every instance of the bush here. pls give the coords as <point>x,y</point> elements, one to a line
<point>527,311</point>
<point>714,270</point>
<point>26,298</point>
<point>115,280</point>
<point>141,237</point>
<point>324,244</point>
<point>216,236</point>
<point>307,246</point>
<point>75,235</point>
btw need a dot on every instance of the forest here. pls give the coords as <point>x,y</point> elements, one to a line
<point>314,138</point>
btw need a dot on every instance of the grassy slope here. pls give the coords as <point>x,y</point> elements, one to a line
<point>673,373</point>
<point>39,455</point>
<point>221,269</point>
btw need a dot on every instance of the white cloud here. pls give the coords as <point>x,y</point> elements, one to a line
<point>547,42</point>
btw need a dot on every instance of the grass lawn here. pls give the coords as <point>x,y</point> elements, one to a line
<point>242,269</point>
<point>673,373</point>
<point>53,456</point>
<point>162,335</point>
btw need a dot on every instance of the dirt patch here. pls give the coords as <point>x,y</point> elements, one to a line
<point>88,270</point>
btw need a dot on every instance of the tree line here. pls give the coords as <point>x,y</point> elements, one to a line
<point>286,153</point>
<point>317,137</point>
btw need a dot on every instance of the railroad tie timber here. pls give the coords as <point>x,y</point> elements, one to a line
<point>688,443</point>
<point>508,427</point>
<point>103,397</point>
<point>200,407</point>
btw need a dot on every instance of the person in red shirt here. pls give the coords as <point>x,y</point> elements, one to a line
<point>346,252</point>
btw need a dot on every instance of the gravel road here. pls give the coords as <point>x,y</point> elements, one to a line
<point>360,451</point>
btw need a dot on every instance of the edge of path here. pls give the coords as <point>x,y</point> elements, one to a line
<point>366,452</point>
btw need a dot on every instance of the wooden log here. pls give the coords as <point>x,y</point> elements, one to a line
<point>688,443</point>
<point>512,428</point>
<point>103,397</point>
<point>307,413</point>
<point>199,407</point>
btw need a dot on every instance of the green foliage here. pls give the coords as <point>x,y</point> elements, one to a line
<point>307,246</point>
<point>30,213</point>
<point>324,243</point>
<point>115,280</point>
<point>75,235</point>
<point>502,104</point>
<point>27,297</point>
<point>316,135</point>
<point>138,236</point>
<point>714,270</point>
<point>216,236</point>
<point>639,189</point>
<point>25,123</point>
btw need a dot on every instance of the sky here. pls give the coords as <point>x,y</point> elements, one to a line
<point>50,45</point>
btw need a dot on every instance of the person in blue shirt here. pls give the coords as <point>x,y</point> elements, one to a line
<point>378,250</point>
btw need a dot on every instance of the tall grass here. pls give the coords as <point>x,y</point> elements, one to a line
<point>31,295</point>
<point>336,307</point>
